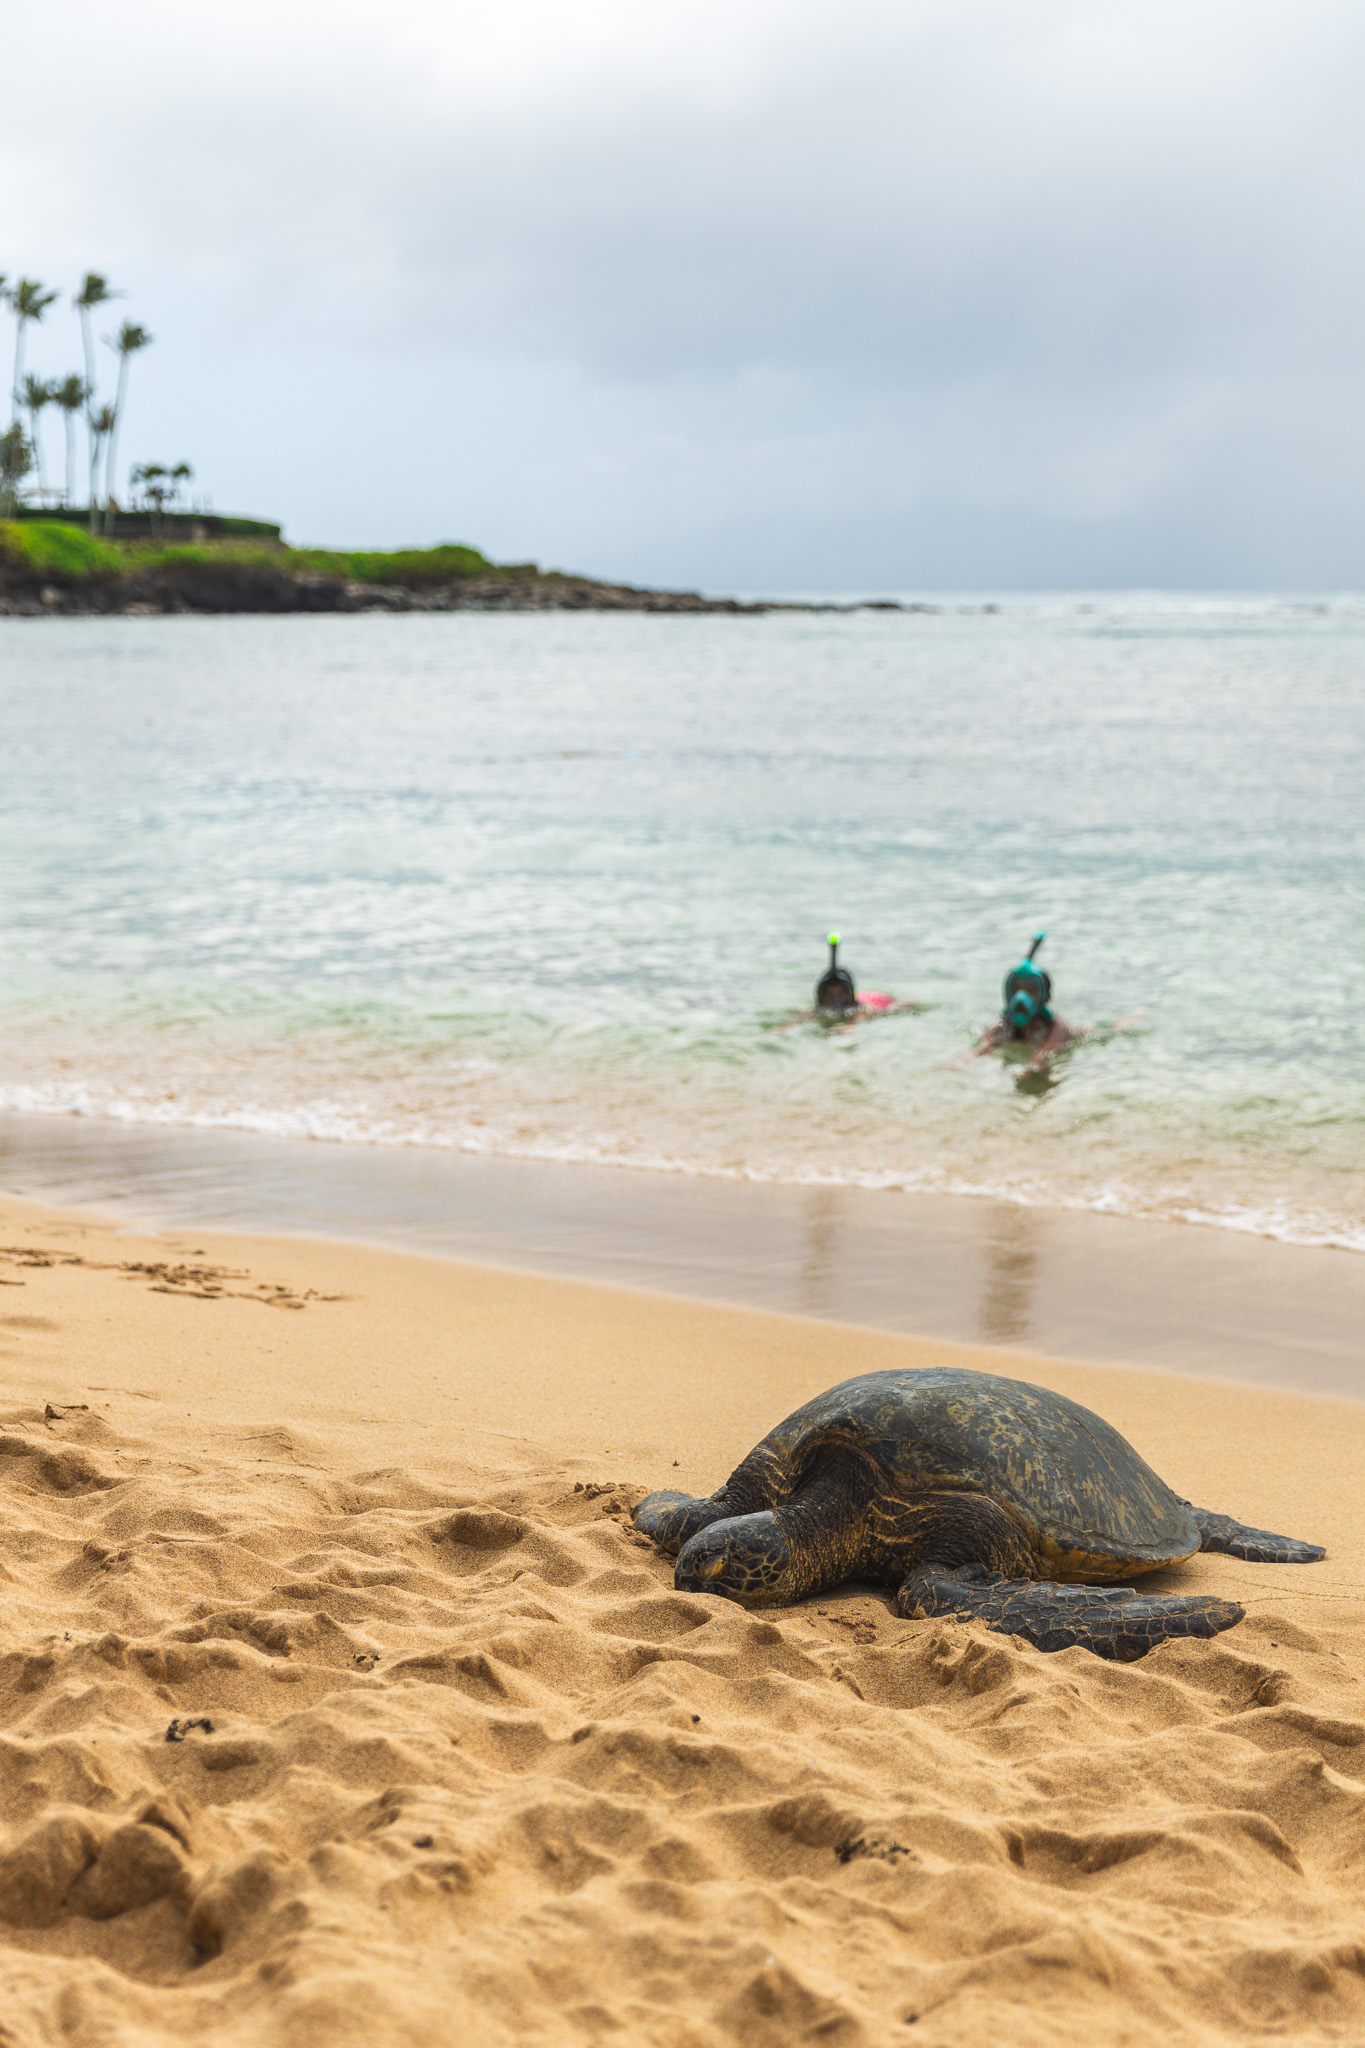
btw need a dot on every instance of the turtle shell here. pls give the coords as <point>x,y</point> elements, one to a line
<point>1090,1506</point>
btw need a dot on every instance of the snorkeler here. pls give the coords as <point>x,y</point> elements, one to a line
<point>840,1003</point>
<point>835,994</point>
<point>837,997</point>
<point>1026,1018</point>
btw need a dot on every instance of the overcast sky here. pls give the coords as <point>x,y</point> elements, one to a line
<point>747,294</point>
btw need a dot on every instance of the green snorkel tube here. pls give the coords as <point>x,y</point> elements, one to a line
<point>1028,990</point>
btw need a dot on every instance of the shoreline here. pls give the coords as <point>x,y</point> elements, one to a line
<point>341,1701</point>
<point>178,588</point>
<point>1104,1289</point>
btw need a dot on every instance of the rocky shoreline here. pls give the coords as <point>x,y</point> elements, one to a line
<point>168,588</point>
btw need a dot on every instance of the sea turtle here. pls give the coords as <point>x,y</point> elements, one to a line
<point>973,1495</point>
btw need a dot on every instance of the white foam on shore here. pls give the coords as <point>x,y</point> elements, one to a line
<point>334,1123</point>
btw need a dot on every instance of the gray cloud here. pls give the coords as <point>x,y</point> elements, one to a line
<point>962,292</point>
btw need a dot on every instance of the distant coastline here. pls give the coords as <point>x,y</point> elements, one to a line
<point>55,567</point>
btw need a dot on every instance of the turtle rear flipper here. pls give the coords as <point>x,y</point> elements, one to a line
<point>1257,1546</point>
<point>1113,1621</point>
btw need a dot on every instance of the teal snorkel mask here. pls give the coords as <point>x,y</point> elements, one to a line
<point>1027,991</point>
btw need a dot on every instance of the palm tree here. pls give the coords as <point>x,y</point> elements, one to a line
<point>70,395</point>
<point>28,301</point>
<point>101,424</point>
<point>38,395</point>
<point>15,463</point>
<point>94,291</point>
<point>160,489</point>
<point>130,339</point>
<point>149,478</point>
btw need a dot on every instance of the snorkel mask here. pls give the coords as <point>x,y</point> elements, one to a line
<point>1027,990</point>
<point>835,992</point>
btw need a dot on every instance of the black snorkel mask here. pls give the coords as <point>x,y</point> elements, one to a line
<point>834,992</point>
<point>1028,990</point>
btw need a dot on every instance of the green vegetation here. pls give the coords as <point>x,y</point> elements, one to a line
<point>54,548</point>
<point>413,568</point>
<point>46,547</point>
<point>16,460</point>
<point>28,299</point>
<point>221,525</point>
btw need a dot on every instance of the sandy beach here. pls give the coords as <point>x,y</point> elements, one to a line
<point>342,1702</point>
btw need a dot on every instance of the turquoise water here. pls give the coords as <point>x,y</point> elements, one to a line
<point>547,886</point>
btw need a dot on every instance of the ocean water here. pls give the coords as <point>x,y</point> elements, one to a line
<point>556,886</point>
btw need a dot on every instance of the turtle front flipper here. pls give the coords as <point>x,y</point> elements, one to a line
<point>672,1519</point>
<point>1113,1621</point>
<point>1257,1546</point>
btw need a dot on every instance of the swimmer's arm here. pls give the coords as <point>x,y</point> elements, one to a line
<point>1058,1035</point>
<point>994,1035</point>
<point>1108,1031</point>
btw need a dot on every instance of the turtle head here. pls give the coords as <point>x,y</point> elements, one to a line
<point>746,1558</point>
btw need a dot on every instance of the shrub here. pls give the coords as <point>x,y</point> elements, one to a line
<point>50,547</point>
<point>412,567</point>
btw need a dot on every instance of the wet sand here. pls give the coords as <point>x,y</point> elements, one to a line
<point>342,1703</point>
<point>1071,1284</point>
